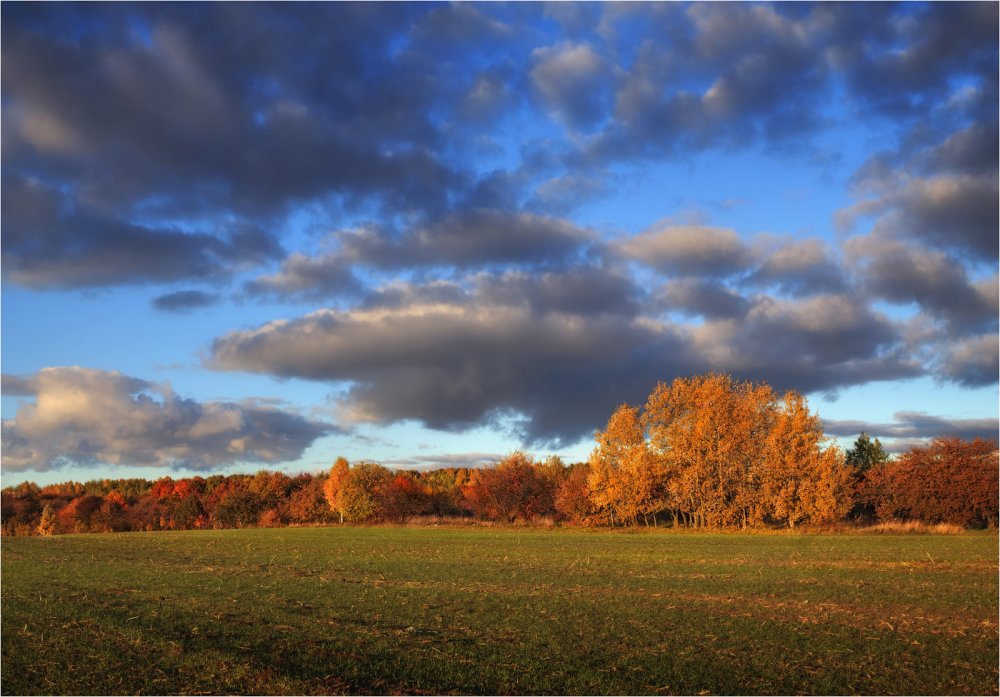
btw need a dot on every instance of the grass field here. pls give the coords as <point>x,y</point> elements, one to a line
<point>498,611</point>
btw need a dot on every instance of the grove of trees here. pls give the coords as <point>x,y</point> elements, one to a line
<point>702,452</point>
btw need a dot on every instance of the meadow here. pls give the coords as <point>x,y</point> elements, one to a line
<point>499,611</point>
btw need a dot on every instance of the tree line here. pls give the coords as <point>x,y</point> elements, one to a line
<point>702,452</point>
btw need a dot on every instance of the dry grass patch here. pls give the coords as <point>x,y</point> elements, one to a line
<point>912,527</point>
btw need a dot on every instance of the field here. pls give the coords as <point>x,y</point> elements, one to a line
<point>499,611</point>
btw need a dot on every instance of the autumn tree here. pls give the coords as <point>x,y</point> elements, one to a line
<point>709,435</point>
<point>948,481</point>
<point>444,490</point>
<point>49,523</point>
<point>238,508</point>
<point>513,490</point>
<point>361,497</point>
<point>626,482</point>
<point>21,507</point>
<point>189,513</point>
<point>113,515</point>
<point>405,496</point>
<point>78,515</point>
<point>572,497</point>
<point>861,459</point>
<point>307,502</point>
<point>801,482</point>
<point>334,485</point>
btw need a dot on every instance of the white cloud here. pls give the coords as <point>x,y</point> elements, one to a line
<point>82,415</point>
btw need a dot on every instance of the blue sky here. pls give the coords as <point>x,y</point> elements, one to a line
<point>245,236</point>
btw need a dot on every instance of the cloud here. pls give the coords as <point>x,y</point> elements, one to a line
<point>972,362</point>
<point>709,76</point>
<point>18,386</point>
<point>914,424</point>
<point>85,416</point>
<point>529,355</point>
<point>902,273</point>
<point>951,212</point>
<point>160,132</point>
<point>436,461</point>
<point>689,250</point>
<point>184,300</point>
<point>469,239</point>
<point>903,65</point>
<point>800,268</point>
<point>817,343</point>
<point>309,278</point>
<point>582,290</point>
<point>168,120</point>
<point>573,82</point>
<point>696,297</point>
<point>52,242</point>
<point>453,364</point>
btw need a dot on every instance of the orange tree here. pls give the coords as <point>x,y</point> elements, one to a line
<point>713,451</point>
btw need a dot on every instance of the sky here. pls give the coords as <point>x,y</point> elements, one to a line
<point>260,236</point>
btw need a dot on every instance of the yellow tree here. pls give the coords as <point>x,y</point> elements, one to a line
<point>802,483</point>
<point>709,435</point>
<point>624,479</point>
<point>829,496</point>
<point>334,485</point>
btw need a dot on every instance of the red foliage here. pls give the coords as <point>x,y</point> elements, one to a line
<point>572,499</point>
<point>404,497</point>
<point>513,490</point>
<point>949,481</point>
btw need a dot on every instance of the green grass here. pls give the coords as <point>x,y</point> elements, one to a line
<point>498,611</point>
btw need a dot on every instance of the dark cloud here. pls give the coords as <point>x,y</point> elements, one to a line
<point>520,352</point>
<point>689,250</point>
<point>576,291</point>
<point>184,300</point>
<point>86,416</point>
<point>160,116</point>
<point>455,365</point>
<point>956,213</point>
<point>913,424</point>
<point>800,268</point>
<point>907,63</point>
<point>818,343</point>
<point>51,241</point>
<point>470,239</point>
<point>574,82</point>
<point>18,385</point>
<point>726,76</point>
<point>903,273</point>
<point>461,24</point>
<point>971,362</point>
<point>560,195</point>
<point>696,297</point>
<point>178,128</point>
<point>309,278</point>
<point>972,150</point>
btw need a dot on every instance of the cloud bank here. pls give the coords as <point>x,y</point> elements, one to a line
<point>85,416</point>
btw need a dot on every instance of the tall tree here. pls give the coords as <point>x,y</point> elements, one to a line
<point>334,485</point>
<point>624,480</point>
<point>709,433</point>
<point>49,523</point>
<point>865,454</point>
<point>362,496</point>
<point>802,482</point>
